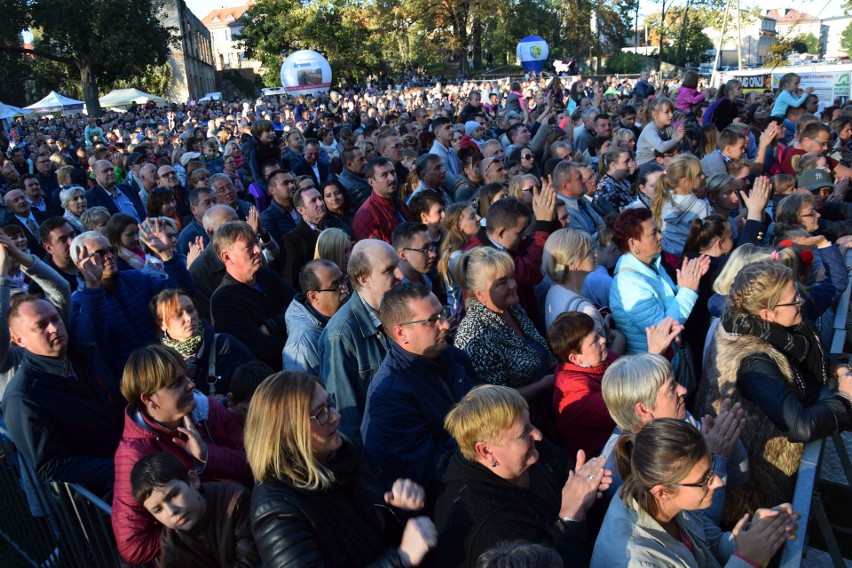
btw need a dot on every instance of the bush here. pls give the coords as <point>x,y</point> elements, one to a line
<point>626,62</point>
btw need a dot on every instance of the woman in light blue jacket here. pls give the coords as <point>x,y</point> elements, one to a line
<point>642,294</point>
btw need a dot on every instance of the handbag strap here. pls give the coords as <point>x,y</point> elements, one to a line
<point>212,379</point>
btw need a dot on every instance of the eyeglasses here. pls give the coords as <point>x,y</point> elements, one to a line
<point>443,315</point>
<point>811,214</point>
<point>527,157</point>
<point>341,285</point>
<point>104,251</point>
<point>396,146</point>
<point>424,250</point>
<point>797,302</point>
<point>324,414</point>
<point>703,484</point>
<point>168,174</point>
<point>529,189</point>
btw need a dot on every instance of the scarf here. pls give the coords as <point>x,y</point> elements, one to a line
<point>188,347</point>
<point>800,343</point>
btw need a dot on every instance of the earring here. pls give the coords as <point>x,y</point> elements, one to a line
<point>405,341</point>
<point>494,462</point>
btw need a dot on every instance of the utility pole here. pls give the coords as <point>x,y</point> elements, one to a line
<point>721,43</point>
<point>739,36</point>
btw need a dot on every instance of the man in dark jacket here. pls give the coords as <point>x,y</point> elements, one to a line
<point>251,300</point>
<point>298,246</point>
<point>352,177</point>
<point>63,411</point>
<point>107,194</point>
<point>111,310</point>
<point>310,165</point>
<point>280,217</point>
<point>208,271</point>
<point>420,379</point>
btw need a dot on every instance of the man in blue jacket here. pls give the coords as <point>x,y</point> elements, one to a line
<point>110,308</point>
<point>420,379</point>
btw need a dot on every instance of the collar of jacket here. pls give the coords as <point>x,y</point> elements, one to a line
<point>361,313</point>
<point>418,364</point>
<point>53,365</point>
<point>302,299</point>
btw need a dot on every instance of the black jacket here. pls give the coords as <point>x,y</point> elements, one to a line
<point>66,428</point>
<point>207,273</point>
<point>230,354</point>
<point>477,509</point>
<point>240,310</point>
<point>301,168</point>
<point>297,247</point>
<point>99,196</point>
<point>338,527</point>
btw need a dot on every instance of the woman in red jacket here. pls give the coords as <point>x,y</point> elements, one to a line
<point>582,418</point>
<point>166,414</point>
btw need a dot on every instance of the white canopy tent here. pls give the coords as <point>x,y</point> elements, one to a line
<point>54,102</point>
<point>123,98</point>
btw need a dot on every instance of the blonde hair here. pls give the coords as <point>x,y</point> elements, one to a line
<point>479,266</point>
<point>759,286</point>
<point>786,80</point>
<point>331,245</point>
<point>278,432</point>
<point>632,379</point>
<point>562,249</point>
<point>482,416</point>
<point>516,184</point>
<point>454,239</point>
<point>148,370</point>
<point>682,166</point>
<point>744,254</point>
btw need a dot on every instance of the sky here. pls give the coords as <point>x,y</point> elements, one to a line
<point>821,8</point>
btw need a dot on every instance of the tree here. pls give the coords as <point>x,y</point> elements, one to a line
<point>805,43</point>
<point>98,40</point>
<point>846,39</point>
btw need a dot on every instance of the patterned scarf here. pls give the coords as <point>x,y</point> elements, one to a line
<point>188,347</point>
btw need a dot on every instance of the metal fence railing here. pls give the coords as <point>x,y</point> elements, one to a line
<point>52,525</point>
<point>807,499</point>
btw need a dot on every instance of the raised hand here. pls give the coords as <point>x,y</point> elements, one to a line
<point>195,249</point>
<point>253,219</point>
<point>544,201</point>
<point>661,335</point>
<point>419,536</point>
<point>154,236</point>
<point>689,276</point>
<point>91,268</point>
<point>755,200</point>
<point>722,431</point>
<point>585,483</point>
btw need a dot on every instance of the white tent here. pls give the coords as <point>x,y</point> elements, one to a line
<point>8,111</point>
<point>54,102</point>
<point>123,98</point>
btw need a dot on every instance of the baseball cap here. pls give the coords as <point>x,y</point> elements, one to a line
<point>815,179</point>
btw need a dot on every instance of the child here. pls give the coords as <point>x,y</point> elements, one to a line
<point>787,88</point>
<point>244,381</point>
<point>213,161</point>
<point>207,525</point>
<point>687,94</point>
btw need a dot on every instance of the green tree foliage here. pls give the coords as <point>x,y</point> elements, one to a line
<point>805,43</point>
<point>626,62</point>
<point>339,29</point>
<point>155,79</point>
<point>94,40</point>
<point>686,41</point>
<point>846,39</point>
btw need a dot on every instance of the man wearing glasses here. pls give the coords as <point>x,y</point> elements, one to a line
<point>419,380</point>
<point>325,290</point>
<point>417,254</point>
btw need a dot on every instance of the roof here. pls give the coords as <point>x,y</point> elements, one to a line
<point>790,16</point>
<point>225,16</point>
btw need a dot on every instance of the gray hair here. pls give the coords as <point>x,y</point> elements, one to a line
<point>81,240</point>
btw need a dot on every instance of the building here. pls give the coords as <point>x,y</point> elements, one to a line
<point>757,35</point>
<point>225,24</point>
<point>192,63</point>
<point>836,26</point>
<point>790,23</point>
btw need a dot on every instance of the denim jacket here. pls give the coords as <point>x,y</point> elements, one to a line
<point>352,348</point>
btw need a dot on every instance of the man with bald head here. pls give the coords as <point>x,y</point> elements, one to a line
<point>107,194</point>
<point>208,270</point>
<point>24,215</point>
<point>353,344</point>
<point>148,181</point>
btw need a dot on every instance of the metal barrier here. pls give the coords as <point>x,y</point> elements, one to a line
<point>807,500</point>
<point>52,525</point>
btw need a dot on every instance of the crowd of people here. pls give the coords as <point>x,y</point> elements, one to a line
<point>562,321</point>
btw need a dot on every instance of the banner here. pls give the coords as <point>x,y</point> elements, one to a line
<point>828,85</point>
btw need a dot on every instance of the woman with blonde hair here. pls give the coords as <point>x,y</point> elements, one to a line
<point>496,333</point>
<point>316,502</point>
<point>668,474</point>
<point>461,223</point>
<point>676,204</point>
<point>764,356</point>
<point>522,187</point>
<point>335,245</point>
<point>505,483</point>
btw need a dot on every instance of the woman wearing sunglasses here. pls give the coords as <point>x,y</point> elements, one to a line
<point>654,520</point>
<point>315,502</point>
